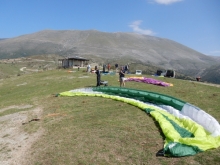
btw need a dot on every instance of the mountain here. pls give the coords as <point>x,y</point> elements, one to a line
<point>217,58</point>
<point>124,47</point>
<point>211,74</point>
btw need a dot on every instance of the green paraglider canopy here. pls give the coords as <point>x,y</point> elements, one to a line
<point>188,129</point>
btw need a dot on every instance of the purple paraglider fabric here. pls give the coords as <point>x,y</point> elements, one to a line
<point>148,81</point>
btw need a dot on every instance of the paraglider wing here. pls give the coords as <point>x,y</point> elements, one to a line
<point>188,129</point>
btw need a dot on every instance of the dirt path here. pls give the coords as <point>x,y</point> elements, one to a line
<point>14,141</point>
<point>204,83</point>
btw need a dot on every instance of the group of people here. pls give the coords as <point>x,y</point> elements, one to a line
<point>108,67</point>
<point>122,72</point>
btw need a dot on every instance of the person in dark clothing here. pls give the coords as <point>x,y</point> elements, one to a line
<point>97,71</point>
<point>116,67</point>
<point>121,77</point>
<point>127,68</point>
<point>104,66</point>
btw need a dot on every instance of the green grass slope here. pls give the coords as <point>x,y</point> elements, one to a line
<point>93,130</point>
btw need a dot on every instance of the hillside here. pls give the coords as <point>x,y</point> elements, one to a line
<point>31,64</point>
<point>39,63</point>
<point>146,52</point>
<point>113,46</point>
<point>211,74</point>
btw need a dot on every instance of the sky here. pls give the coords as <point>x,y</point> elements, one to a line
<point>193,23</point>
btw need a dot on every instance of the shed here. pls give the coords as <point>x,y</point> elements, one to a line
<point>70,62</point>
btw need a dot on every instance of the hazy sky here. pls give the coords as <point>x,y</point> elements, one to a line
<point>194,23</point>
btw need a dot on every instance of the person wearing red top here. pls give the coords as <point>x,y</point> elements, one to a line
<point>108,67</point>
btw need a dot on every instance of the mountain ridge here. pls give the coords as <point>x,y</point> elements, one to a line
<point>108,46</point>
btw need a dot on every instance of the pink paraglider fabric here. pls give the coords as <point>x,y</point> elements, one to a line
<point>148,81</point>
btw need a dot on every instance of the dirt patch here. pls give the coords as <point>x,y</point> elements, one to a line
<point>22,84</point>
<point>22,69</point>
<point>16,106</point>
<point>14,141</point>
<point>84,77</point>
<point>205,83</point>
<point>215,85</point>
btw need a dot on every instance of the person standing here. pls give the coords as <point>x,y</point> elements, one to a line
<point>116,67</point>
<point>104,66</point>
<point>98,74</point>
<point>127,68</point>
<point>121,77</point>
<point>88,68</point>
<point>109,67</point>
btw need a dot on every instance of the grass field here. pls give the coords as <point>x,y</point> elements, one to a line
<point>90,130</point>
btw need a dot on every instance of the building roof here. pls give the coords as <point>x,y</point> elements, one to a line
<point>77,58</point>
